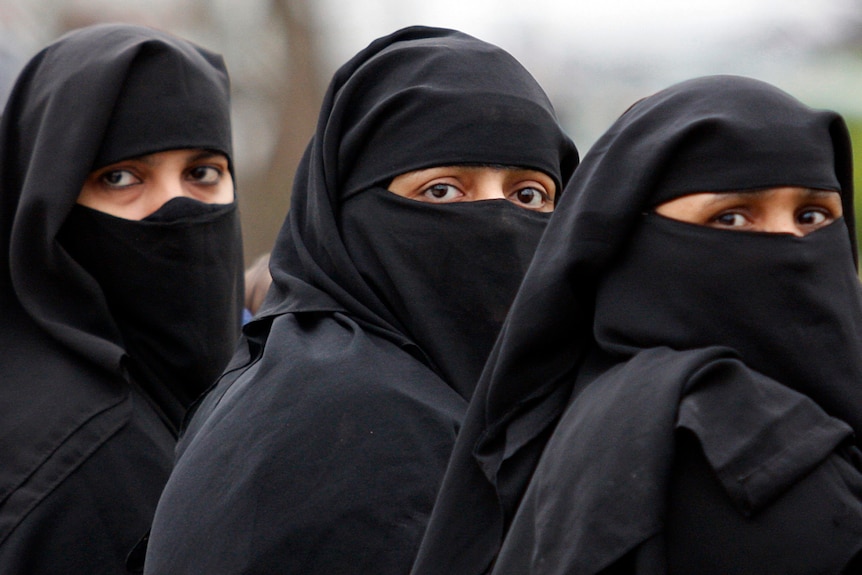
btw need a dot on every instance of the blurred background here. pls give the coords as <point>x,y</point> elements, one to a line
<point>594,58</point>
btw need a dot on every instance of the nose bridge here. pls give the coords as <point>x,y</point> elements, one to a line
<point>167,185</point>
<point>782,221</point>
<point>491,185</point>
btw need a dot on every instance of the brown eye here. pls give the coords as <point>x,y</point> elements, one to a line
<point>533,198</point>
<point>119,178</point>
<point>729,220</point>
<point>205,174</point>
<point>813,217</point>
<point>440,193</point>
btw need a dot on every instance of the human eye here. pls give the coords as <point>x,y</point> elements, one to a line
<point>441,192</point>
<point>119,178</point>
<point>814,217</point>
<point>531,197</point>
<point>728,219</point>
<point>205,174</point>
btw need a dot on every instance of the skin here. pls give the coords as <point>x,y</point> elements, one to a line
<point>529,189</point>
<point>783,210</point>
<point>135,188</point>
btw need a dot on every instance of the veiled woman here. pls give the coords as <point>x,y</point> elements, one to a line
<point>677,386</point>
<point>414,213</point>
<point>121,288</point>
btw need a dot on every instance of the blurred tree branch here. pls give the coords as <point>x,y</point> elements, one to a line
<point>265,197</point>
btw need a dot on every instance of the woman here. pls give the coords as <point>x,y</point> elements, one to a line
<point>321,448</point>
<point>122,286</point>
<point>676,388</point>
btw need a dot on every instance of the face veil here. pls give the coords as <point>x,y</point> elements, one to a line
<point>145,92</point>
<point>176,340</point>
<point>448,272</point>
<point>419,98</point>
<point>789,306</point>
<point>705,135</point>
<point>170,283</point>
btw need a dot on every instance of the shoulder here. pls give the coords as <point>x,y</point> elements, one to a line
<point>324,363</point>
<point>86,505</point>
<point>323,455</point>
<point>324,384</point>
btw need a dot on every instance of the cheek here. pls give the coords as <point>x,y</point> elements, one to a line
<point>684,211</point>
<point>87,196</point>
<point>222,193</point>
<point>225,192</point>
<point>128,204</point>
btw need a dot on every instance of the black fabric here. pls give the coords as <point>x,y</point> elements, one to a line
<point>321,448</point>
<point>450,271</point>
<point>599,488</point>
<point>789,305</point>
<point>323,456</point>
<point>608,286</point>
<point>701,527</point>
<point>76,427</point>
<point>386,113</point>
<point>174,328</point>
<point>348,153</point>
<point>152,105</point>
<point>96,515</point>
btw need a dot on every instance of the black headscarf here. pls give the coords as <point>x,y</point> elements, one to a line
<point>90,302</point>
<point>336,417</point>
<point>439,277</point>
<point>611,279</point>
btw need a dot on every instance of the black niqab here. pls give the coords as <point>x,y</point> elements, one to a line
<point>175,328</point>
<point>75,422</point>
<point>610,283</point>
<point>449,271</point>
<point>790,306</point>
<point>321,448</point>
<point>410,101</point>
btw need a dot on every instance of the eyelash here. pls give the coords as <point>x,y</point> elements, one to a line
<point>102,177</point>
<point>541,191</point>
<point>741,211</point>
<point>218,170</point>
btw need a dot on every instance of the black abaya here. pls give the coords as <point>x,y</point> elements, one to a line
<point>90,415</point>
<point>321,448</point>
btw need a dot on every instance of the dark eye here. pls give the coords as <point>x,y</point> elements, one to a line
<point>205,174</point>
<point>531,197</point>
<point>441,192</point>
<point>813,217</point>
<point>729,220</point>
<point>119,178</point>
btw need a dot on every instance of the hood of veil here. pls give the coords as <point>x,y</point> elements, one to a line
<point>417,98</point>
<point>709,134</point>
<point>714,133</point>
